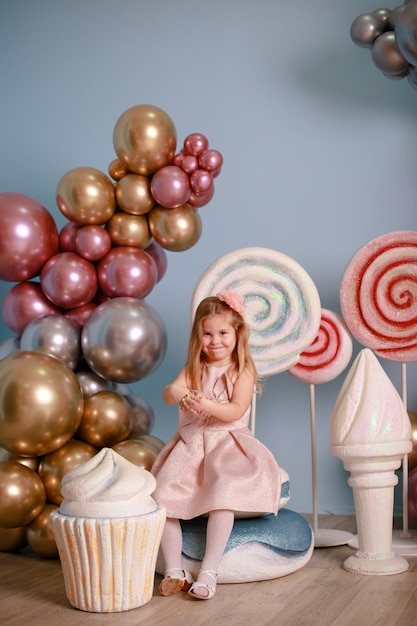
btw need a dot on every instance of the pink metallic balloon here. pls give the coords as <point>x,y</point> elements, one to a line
<point>68,280</point>
<point>92,242</point>
<point>195,144</point>
<point>387,57</point>
<point>23,303</point>
<point>28,237</point>
<point>80,314</point>
<point>201,181</point>
<point>366,28</point>
<point>170,187</point>
<point>210,160</point>
<point>127,271</point>
<point>189,164</point>
<point>202,198</point>
<point>67,237</point>
<point>160,257</point>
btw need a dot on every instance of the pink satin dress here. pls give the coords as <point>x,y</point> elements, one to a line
<point>210,464</point>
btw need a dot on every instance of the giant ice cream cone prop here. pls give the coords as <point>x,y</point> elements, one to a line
<point>370,433</point>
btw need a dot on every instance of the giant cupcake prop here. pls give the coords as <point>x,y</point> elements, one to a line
<point>370,433</point>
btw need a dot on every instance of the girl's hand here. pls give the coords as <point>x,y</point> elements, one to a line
<point>190,402</point>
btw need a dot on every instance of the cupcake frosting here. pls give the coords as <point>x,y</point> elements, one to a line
<point>107,486</point>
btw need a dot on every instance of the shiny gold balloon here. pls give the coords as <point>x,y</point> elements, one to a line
<point>175,229</point>
<point>12,539</point>
<point>137,452</point>
<point>22,494</point>
<point>56,464</point>
<point>133,194</point>
<point>117,170</point>
<point>129,230</point>
<point>412,457</point>
<point>39,534</point>
<point>86,195</point>
<point>145,139</point>
<point>32,462</point>
<point>107,419</point>
<point>151,441</point>
<point>41,403</point>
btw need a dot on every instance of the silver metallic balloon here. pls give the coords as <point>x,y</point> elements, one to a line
<point>92,383</point>
<point>124,340</point>
<point>366,28</point>
<point>56,335</point>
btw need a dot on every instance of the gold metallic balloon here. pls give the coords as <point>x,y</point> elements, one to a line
<point>32,462</point>
<point>117,170</point>
<point>56,464</point>
<point>41,403</point>
<point>107,419</point>
<point>145,139</point>
<point>137,452</point>
<point>86,195</point>
<point>133,194</point>
<point>39,534</point>
<point>129,230</point>
<point>12,539</point>
<point>175,229</point>
<point>152,442</point>
<point>22,494</point>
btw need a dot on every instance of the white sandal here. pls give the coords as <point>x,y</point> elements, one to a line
<point>175,580</point>
<point>211,589</point>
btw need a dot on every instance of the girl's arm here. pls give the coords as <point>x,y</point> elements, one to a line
<point>173,393</point>
<point>227,411</point>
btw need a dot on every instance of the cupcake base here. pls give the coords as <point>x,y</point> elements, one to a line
<point>108,564</point>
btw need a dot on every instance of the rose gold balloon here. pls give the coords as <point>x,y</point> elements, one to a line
<point>195,144</point>
<point>145,139</point>
<point>143,416</point>
<point>152,442</point>
<point>129,230</point>
<point>201,181</point>
<point>41,403</point>
<point>175,229</point>
<point>91,383</point>
<point>79,315</point>
<point>12,539</point>
<point>85,195</point>
<point>39,534</point>
<point>56,464</point>
<point>117,170</point>
<point>32,462</point>
<point>127,272</point>
<point>92,242</point>
<point>28,237</point>
<point>170,186</point>
<point>22,494</point>
<point>160,257</point>
<point>210,160</point>
<point>133,194</point>
<point>23,303</point>
<point>136,452</point>
<point>67,237</point>
<point>202,198</point>
<point>68,280</point>
<point>107,419</point>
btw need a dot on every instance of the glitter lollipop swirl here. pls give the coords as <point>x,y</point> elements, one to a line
<point>378,295</point>
<point>328,355</point>
<point>282,305</point>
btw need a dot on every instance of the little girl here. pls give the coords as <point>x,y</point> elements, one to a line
<point>213,465</point>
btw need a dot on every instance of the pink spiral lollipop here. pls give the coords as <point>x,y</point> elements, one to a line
<point>378,295</point>
<point>328,355</point>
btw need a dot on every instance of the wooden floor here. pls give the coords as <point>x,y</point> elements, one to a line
<point>322,593</point>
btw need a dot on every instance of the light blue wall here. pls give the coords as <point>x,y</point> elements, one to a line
<point>319,154</point>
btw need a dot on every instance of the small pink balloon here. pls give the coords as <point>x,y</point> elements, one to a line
<point>68,280</point>
<point>170,187</point>
<point>127,272</point>
<point>210,160</point>
<point>67,237</point>
<point>160,257</point>
<point>201,181</point>
<point>178,158</point>
<point>23,303</point>
<point>189,164</point>
<point>92,242</point>
<point>80,314</point>
<point>201,199</point>
<point>28,237</point>
<point>195,144</point>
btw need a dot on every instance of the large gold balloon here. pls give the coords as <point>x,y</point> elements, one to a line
<point>39,534</point>
<point>129,230</point>
<point>175,229</point>
<point>41,403</point>
<point>137,452</point>
<point>22,494</point>
<point>145,139</point>
<point>86,195</point>
<point>133,194</point>
<point>12,539</point>
<point>107,419</point>
<point>56,464</point>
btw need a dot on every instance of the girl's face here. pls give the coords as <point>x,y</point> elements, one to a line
<point>218,339</point>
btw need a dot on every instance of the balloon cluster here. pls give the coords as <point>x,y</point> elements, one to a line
<point>77,308</point>
<point>391,34</point>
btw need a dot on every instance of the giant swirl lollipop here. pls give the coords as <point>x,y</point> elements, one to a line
<point>378,296</point>
<point>321,362</point>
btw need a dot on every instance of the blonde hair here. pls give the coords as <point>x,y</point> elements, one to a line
<point>241,355</point>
